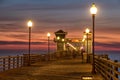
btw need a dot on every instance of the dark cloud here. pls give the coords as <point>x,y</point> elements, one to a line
<point>18,36</point>
<point>110,45</point>
<point>59,5</point>
<point>11,27</point>
<point>19,43</point>
<point>102,37</point>
<point>106,29</point>
<point>25,43</point>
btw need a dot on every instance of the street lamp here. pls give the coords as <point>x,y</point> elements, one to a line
<point>29,24</point>
<point>93,11</point>
<point>48,35</point>
<point>87,32</point>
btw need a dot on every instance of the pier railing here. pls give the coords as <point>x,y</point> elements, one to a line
<point>45,57</point>
<point>10,62</point>
<point>107,68</point>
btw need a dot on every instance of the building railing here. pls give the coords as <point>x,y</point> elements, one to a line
<point>107,68</point>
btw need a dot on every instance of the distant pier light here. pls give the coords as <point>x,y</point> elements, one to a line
<point>87,30</point>
<point>30,24</point>
<point>48,34</point>
<point>58,38</point>
<point>63,40</point>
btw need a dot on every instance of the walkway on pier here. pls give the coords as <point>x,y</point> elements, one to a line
<point>67,69</point>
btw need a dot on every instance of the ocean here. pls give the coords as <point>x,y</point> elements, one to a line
<point>20,52</point>
<point>113,55</point>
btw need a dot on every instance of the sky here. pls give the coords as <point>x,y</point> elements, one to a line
<point>72,16</point>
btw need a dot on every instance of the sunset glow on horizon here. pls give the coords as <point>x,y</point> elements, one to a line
<point>71,16</point>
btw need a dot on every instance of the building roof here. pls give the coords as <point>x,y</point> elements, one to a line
<point>60,31</point>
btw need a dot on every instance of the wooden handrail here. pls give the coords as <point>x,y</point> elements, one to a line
<point>10,62</point>
<point>107,68</point>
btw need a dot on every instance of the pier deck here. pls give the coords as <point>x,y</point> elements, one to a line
<point>71,69</point>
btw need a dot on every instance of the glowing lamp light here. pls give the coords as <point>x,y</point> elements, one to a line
<point>83,40</point>
<point>84,37</point>
<point>87,30</point>
<point>58,38</point>
<point>29,23</point>
<point>48,34</point>
<point>63,40</point>
<point>93,9</point>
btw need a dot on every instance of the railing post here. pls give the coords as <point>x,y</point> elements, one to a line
<point>9,62</point>
<point>88,58</point>
<point>21,60</point>
<point>13,62</point>
<point>116,69</point>
<point>25,59</point>
<point>4,63</point>
<point>110,71</point>
<point>17,61</point>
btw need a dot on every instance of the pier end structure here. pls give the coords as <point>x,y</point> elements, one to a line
<point>60,40</point>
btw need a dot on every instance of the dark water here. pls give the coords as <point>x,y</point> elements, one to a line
<point>21,52</point>
<point>113,55</point>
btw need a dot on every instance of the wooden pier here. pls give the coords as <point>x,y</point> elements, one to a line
<point>58,66</point>
<point>67,69</point>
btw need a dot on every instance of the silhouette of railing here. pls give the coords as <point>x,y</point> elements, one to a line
<point>10,62</point>
<point>46,57</point>
<point>107,68</point>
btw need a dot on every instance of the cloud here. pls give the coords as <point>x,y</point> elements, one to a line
<point>19,43</point>
<point>109,45</point>
<point>111,30</point>
<point>103,37</point>
<point>25,43</point>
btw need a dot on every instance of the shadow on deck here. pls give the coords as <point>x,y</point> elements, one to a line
<point>72,69</point>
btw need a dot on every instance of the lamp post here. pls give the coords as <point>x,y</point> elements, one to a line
<point>93,11</point>
<point>83,40</point>
<point>29,24</point>
<point>87,32</point>
<point>48,35</point>
<point>83,46</point>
